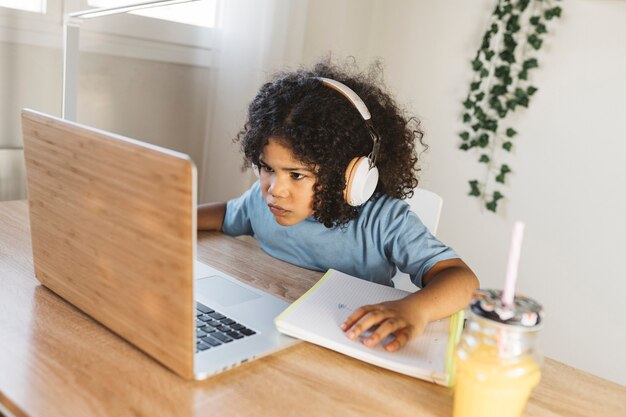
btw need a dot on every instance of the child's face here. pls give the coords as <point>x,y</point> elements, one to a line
<point>286,184</point>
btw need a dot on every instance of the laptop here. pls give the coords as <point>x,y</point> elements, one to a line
<point>113,226</point>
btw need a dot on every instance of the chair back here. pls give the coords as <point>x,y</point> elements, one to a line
<point>427,205</point>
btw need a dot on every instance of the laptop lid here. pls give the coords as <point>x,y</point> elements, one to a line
<point>113,226</point>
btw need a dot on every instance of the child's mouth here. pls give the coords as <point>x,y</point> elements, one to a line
<point>277,211</point>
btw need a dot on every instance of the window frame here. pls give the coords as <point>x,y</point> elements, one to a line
<point>25,10</point>
<point>123,35</point>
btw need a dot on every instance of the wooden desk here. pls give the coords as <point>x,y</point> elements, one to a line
<point>55,361</point>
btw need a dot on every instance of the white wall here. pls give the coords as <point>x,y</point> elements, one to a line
<point>156,102</point>
<point>568,184</point>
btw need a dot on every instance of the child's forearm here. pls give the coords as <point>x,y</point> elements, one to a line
<point>211,216</point>
<point>448,290</point>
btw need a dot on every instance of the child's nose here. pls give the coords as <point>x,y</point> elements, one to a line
<point>278,186</point>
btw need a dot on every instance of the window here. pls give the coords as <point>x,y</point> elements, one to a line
<point>197,13</point>
<point>38,6</point>
<point>40,23</point>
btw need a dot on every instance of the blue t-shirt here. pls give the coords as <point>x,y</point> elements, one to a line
<point>385,235</point>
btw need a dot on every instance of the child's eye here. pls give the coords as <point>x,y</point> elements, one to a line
<point>297,176</point>
<point>265,168</point>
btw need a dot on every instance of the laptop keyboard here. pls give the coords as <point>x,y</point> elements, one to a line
<point>214,329</point>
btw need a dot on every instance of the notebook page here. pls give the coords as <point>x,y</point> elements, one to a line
<point>318,315</point>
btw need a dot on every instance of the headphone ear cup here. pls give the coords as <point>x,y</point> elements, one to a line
<point>361,181</point>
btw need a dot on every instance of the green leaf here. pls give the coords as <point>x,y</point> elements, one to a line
<point>497,195</point>
<point>507,146</point>
<point>475,127</point>
<point>477,64</point>
<point>523,75</point>
<point>511,104</point>
<point>502,113</point>
<point>509,41</point>
<point>507,56</point>
<point>484,159</point>
<point>510,132</point>
<point>494,28</point>
<point>464,135</point>
<point>466,118</point>
<point>468,104</point>
<point>531,90</point>
<point>534,20</point>
<point>475,85</point>
<point>519,93</point>
<point>554,12</point>
<point>492,206</point>
<point>530,63</point>
<point>491,124</point>
<point>483,73</point>
<point>483,140</point>
<point>522,4</point>
<point>474,190</point>
<point>541,28</point>
<point>489,55</point>
<point>464,146</point>
<point>535,41</point>
<point>502,71</point>
<point>523,101</point>
<point>495,104</point>
<point>480,96</point>
<point>498,90</point>
<point>504,169</point>
<point>500,178</point>
<point>512,25</point>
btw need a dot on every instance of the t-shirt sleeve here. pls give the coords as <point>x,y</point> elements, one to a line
<point>411,246</point>
<point>237,220</point>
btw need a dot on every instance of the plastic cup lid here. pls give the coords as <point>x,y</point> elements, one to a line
<point>525,312</point>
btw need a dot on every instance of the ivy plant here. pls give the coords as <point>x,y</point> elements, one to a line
<point>500,86</point>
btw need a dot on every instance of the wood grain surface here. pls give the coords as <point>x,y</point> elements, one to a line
<point>113,231</point>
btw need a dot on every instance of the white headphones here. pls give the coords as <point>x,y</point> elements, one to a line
<point>361,173</point>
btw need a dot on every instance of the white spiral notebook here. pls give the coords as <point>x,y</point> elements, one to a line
<point>317,316</point>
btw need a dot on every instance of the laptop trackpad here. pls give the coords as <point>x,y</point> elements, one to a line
<point>223,291</point>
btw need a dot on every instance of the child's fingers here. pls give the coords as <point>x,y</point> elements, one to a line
<point>356,316</point>
<point>401,338</point>
<point>388,326</point>
<point>370,319</point>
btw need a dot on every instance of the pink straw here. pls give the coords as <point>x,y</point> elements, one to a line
<point>511,271</point>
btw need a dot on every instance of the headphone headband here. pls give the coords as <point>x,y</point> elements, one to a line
<point>348,93</point>
<point>359,104</point>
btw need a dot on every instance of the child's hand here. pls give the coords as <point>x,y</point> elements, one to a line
<point>397,317</point>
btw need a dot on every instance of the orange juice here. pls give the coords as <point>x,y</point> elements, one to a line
<point>496,362</point>
<point>487,386</point>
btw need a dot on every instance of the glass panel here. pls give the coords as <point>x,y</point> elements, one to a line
<point>198,13</point>
<point>38,6</point>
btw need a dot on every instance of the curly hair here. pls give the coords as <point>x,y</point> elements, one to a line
<point>325,132</point>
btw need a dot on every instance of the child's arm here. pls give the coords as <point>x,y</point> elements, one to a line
<point>211,216</point>
<point>448,288</point>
